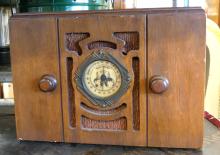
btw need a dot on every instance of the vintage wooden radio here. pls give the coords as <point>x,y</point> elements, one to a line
<point>120,77</point>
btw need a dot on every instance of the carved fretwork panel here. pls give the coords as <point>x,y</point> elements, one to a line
<point>101,44</point>
<point>117,124</point>
<point>131,40</point>
<point>96,111</point>
<point>123,114</point>
<point>72,41</point>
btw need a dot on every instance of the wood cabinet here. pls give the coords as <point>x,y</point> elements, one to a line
<point>213,10</point>
<point>125,77</point>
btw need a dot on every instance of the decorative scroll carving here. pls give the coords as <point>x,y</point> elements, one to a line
<point>100,44</point>
<point>72,41</point>
<point>102,112</point>
<point>131,40</point>
<point>118,124</point>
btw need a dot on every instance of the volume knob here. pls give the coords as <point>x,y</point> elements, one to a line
<point>47,83</point>
<point>159,84</point>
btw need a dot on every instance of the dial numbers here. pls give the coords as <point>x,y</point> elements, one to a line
<point>102,78</point>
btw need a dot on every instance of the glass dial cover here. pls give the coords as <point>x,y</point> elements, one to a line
<point>102,78</point>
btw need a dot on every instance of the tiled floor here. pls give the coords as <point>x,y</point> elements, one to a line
<point>10,146</point>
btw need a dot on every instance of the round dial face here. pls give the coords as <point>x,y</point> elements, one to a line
<point>102,78</point>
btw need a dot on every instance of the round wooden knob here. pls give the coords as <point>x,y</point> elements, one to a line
<point>47,83</point>
<point>159,84</point>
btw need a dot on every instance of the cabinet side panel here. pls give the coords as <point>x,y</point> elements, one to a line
<point>176,50</point>
<point>34,53</point>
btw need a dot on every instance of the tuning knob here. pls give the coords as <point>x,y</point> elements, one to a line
<point>159,84</point>
<point>47,83</point>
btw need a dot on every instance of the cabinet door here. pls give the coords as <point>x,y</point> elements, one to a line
<point>176,51</point>
<point>123,122</point>
<point>34,53</point>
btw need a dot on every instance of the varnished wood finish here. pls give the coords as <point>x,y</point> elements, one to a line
<point>34,53</point>
<point>147,42</point>
<point>213,10</point>
<point>176,50</point>
<point>72,41</point>
<point>119,4</point>
<point>100,30</point>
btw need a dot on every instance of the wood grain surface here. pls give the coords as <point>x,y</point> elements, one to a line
<point>34,53</point>
<point>101,30</point>
<point>147,42</point>
<point>176,50</point>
